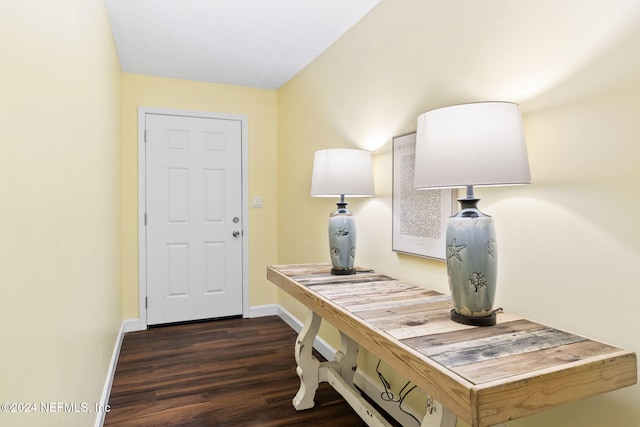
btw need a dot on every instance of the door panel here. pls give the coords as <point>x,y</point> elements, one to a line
<point>194,192</point>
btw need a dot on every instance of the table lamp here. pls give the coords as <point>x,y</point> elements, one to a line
<point>340,173</point>
<point>469,145</point>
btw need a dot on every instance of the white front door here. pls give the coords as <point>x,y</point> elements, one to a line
<point>193,216</point>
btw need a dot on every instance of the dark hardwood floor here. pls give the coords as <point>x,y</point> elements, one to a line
<point>233,372</point>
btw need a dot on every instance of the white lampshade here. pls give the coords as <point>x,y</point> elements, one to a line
<point>342,172</point>
<point>471,144</point>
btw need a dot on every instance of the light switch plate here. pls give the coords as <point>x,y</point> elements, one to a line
<point>256,202</point>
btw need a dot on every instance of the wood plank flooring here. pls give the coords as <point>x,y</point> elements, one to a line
<point>233,372</point>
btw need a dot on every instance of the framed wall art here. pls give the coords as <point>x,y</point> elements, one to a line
<point>419,216</point>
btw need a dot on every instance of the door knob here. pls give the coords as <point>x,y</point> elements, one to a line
<point>236,233</point>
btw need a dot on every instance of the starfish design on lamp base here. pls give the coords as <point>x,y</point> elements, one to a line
<point>454,250</point>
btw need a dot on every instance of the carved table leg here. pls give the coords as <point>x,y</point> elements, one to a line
<point>308,365</point>
<point>347,359</point>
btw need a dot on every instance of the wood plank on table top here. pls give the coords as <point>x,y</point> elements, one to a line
<point>468,352</point>
<point>471,334</point>
<point>407,309</point>
<point>356,299</point>
<point>296,270</point>
<point>395,302</point>
<point>345,281</point>
<point>517,364</point>
<point>411,320</point>
<point>373,294</point>
<point>336,290</point>
<point>442,325</point>
<point>309,271</point>
<point>314,272</point>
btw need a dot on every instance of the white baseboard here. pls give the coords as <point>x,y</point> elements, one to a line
<point>132,325</point>
<point>263,310</point>
<point>129,325</point>
<point>111,370</point>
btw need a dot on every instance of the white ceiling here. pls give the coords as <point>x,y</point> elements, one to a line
<point>255,43</point>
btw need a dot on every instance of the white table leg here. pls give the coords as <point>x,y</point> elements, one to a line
<point>308,365</point>
<point>347,359</point>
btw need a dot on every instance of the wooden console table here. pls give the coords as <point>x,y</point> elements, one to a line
<point>486,376</point>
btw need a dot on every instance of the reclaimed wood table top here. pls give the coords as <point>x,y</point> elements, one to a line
<point>485,375</point>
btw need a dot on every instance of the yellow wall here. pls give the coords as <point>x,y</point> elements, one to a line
<point>568,242</point>
<point>60,309</point>
<point>260,108</point>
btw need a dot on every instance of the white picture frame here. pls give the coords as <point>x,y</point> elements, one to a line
<point>419,216</point>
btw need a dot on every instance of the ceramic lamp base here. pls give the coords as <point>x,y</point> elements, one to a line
<point>472,265</point>
<point>342,240</point>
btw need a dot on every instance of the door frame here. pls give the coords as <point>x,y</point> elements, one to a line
<point>142,197</point>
